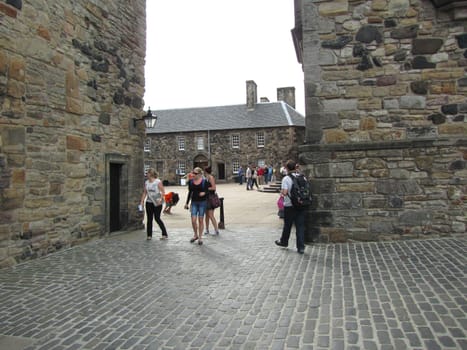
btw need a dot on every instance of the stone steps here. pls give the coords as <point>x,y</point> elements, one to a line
<point>271,187</point>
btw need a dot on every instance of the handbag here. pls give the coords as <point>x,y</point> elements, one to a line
<point>280,203</point>
<point>214,201</point>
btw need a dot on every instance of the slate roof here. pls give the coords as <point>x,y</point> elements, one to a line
<point>265,114</point>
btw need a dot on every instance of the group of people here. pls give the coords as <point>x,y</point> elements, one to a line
<point>256,176</point>
<point>200,187</point>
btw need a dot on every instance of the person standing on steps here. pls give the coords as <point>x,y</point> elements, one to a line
<point>209,210</point>
<point>197,193</point>
<point>153,193</point>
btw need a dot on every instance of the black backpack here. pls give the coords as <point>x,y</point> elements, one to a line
<point>300,193</point>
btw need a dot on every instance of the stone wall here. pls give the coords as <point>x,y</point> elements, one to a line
<point>164,149</point>
<point>386,114</point>
<point>71,81</point>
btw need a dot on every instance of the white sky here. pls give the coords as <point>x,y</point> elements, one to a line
<point>201,52</point>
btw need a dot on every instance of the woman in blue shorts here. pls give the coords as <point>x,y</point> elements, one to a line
<point>197,193</point>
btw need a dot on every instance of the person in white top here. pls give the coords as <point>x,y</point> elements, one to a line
<point>154,193</point>
<point>292,216</point>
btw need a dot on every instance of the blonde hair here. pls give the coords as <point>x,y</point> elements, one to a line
<point>152,172</point>
<point>198,170</point>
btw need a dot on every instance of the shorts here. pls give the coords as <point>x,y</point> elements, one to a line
<point>198,208</point>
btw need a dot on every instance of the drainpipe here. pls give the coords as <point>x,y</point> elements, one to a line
<point>209,147</point>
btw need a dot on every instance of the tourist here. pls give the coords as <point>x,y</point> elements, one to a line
<point>153,193</point>
<point>209,210</point>
<point>197,193</point>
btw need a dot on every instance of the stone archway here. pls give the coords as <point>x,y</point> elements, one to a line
<point>200,161</point>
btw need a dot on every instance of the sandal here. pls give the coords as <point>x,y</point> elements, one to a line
<point>200,242</point>
<point>193,239</point>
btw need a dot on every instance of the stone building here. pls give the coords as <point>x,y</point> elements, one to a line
<point>386,107</point>
<point>225,137</point>
<point>71,160</point>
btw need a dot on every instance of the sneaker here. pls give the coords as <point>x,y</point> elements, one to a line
<point>163,238</point>
<point>217,233</point>
<point>148,238</point>
<point>301,251</point>
<point>280,244</point>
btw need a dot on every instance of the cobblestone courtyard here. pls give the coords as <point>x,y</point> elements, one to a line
<point>238,291</point>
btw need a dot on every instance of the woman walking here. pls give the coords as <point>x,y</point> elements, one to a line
<point>154,193</point>
<point>209,210</point>
<point>197,193</point>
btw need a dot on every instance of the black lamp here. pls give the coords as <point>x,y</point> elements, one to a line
<point>149,119</point>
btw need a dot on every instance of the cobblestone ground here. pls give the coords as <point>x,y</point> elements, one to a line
<point>238,291</point>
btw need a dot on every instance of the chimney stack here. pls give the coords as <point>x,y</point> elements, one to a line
<point>251,94</point>
<point>287,94</point>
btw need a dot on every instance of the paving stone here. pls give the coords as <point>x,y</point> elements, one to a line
<point>239,291</point>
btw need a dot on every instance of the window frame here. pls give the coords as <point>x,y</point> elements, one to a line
<point>181,167</point>
<point>200,143</point>
<point>235,166</point>
<point>260,139</point>
<point>147,145</point>
<point>147,164</point>
<point>181,143</point>
<point>232,141</point>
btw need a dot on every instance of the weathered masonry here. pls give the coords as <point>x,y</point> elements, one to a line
<point>71,160</point>
<point>386,117</point>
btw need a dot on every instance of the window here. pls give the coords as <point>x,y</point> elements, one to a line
<point>260,139</point>
<point>147,145</point>
<point>181,167</point>
<point>235,166</point>
<point>236,141</point>
<point>181,143</point>
<point>160,167</point>
<point>200,143</point>
<point>147,165</point>
<point>261,163</point>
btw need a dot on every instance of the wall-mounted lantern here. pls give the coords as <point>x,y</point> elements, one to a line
<point>149,119</point>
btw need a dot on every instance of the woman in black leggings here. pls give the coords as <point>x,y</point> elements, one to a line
<point>154,193</point>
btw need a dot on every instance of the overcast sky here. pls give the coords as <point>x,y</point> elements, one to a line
<point>200,53</point>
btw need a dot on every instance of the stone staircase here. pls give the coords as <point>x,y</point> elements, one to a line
<point>271,187</point>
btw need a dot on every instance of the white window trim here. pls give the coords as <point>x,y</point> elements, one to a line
<point>232,141</point>
<point>200,143</point>
<point>147,145</point>
<point>258,145</point>
<point>181,143</point>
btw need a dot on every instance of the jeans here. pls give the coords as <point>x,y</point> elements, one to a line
<point>297,217</point>
<point>198,208</point>
<point>154,212</point>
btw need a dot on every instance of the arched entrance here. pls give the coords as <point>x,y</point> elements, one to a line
<point>200,161</point>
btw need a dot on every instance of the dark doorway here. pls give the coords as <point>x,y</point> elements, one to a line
<point>115,177</point>
<point>221,171</point>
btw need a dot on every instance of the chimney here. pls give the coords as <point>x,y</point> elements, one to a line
<point>251,94</point>
<point>264,99</point>
<point>286,94</point>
